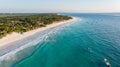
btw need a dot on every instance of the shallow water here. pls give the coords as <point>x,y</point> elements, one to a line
<point>78,44</point>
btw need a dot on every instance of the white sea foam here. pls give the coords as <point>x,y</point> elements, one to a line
<point>11,56</point>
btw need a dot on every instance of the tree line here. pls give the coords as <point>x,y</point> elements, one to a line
<point>25,22</point>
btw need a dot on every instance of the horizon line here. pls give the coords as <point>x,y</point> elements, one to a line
<point>51,12</point>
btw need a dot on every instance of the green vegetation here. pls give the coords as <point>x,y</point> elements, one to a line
<point>24,22</point>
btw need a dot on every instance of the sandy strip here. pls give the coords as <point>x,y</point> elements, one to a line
<point>16,36</point>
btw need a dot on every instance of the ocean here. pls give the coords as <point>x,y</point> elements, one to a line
<point>82,43</point>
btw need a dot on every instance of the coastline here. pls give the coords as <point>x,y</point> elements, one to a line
<point>13,37</point>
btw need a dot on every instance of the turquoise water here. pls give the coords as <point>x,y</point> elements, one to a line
<point>79,44</point>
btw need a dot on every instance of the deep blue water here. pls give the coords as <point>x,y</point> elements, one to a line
<point>79,44</point>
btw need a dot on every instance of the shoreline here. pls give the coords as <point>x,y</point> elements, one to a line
<point>13,37</point>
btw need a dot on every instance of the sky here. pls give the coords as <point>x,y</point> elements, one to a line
<point>43,6</point>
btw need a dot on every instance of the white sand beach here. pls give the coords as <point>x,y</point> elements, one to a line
<point>16,36</point>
